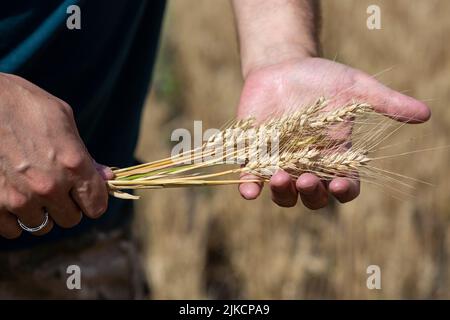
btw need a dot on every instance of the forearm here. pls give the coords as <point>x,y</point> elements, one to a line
<point>272,31</point>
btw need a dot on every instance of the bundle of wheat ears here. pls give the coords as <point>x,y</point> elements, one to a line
<point>328,142</point>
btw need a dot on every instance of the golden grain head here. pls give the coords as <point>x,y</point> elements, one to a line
<point>315,139</point>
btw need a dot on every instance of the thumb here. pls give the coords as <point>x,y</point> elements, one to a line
<point>390,102</point>
<point>105,172</point>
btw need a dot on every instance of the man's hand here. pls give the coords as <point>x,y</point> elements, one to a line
<point>278,42</point>
<point>44,165</point>
<point>299,82</point>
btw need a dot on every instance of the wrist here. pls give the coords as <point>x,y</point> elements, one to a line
<point>273,32</point>
<point>275,54</point>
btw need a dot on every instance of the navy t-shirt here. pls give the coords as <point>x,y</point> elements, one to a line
<point>102,70</point>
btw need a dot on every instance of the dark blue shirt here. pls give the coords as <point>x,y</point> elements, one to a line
<point>102,70</point>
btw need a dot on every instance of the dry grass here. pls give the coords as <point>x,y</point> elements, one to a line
<point>204,243</point>
<point>313,138</point>
<point>310,139</point>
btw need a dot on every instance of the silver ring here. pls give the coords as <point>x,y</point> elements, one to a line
<point>35,229</point>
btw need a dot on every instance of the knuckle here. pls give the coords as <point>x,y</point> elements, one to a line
<point>73,160</point>
<point>45,187</point>
<point>66,108</point>
<point>17,201</point>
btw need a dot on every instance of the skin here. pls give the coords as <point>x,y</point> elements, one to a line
<point>43,162</point>
<point>278,46</point>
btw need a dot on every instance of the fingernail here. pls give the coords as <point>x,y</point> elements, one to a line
<point>105,172</point>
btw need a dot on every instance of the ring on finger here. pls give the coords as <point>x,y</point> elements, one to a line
<point>34,229</point>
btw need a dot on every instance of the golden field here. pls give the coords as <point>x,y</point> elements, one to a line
<point>210,243</point>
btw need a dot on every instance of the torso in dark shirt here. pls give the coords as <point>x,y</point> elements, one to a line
<point>102,70</point>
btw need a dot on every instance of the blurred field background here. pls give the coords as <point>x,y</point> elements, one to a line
<point>210,243</point>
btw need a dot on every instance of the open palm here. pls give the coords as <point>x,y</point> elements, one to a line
<point>282,87</point>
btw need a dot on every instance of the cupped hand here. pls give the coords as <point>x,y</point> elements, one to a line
<point>44,165</point>
<point>276,89</point>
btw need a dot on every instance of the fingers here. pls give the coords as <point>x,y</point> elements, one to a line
<point>250,190</point>
<point>88,187</point>
<point>47,228</point>
<point>283,189</point>
<point>91,196</point>
<point>9,228</point>
<point>312,191</point>
<point>344,189</point>
<point>390,102</point>
<point>33,217</point>
<point>61,209</point>
<point>30,213</point>
<point>64,211</point>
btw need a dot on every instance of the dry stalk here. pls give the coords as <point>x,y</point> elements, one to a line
<point>304,141</point>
